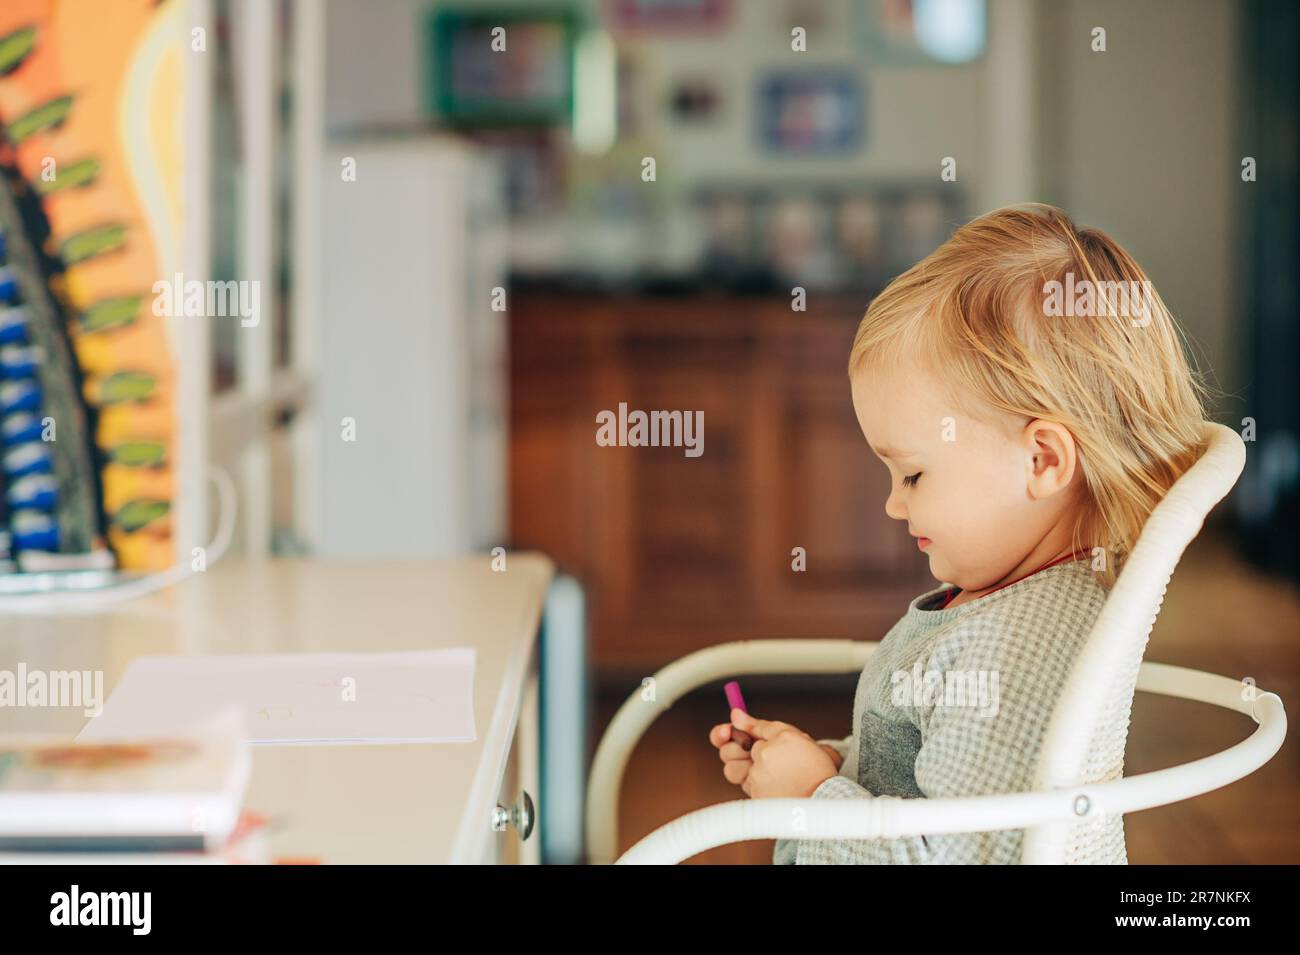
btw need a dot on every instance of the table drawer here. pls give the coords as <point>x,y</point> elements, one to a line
<point>518,792</point>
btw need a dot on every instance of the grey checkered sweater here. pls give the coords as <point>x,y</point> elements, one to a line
<point>955,703</point>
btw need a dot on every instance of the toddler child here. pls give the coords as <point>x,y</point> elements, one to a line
<point>1027,390</point>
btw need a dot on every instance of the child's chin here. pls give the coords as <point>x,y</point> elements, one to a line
<point>939,570</point>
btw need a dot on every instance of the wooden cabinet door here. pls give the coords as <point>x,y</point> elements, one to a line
<point>826,560</point>
<point>680,552</point>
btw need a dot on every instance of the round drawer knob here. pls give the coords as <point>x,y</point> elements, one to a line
<point>523,816</point>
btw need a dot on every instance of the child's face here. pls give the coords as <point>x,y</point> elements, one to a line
<point>988,495</point>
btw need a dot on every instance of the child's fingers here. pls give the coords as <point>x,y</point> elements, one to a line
<point>730,752</point>
<point>720,734</point>
<point>736,771</point>
<point>759,729</point>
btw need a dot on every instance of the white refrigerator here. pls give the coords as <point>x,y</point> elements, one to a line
<point>412,379</point>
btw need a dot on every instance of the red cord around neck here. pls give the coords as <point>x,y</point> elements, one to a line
<point>954,591</point>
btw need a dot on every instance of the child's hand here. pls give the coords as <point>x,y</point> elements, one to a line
<point>786,761</point>
<point>735,758</point>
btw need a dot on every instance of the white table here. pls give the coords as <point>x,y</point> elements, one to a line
<point>356,803</point>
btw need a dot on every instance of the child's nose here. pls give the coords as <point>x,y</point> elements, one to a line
<point>894,506</point>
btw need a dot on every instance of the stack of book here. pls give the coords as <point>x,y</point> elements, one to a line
<point>165,800</point>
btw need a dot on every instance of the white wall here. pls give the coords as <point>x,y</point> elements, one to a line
<point>411,363</point>
<point>372,63</point>
<point>1142,144</point>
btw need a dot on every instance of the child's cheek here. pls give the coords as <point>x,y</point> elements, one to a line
<point>967,526</point>
<point>990,535</point>
<point>956,539</point>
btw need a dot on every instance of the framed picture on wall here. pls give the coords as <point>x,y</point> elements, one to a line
<point>922,32</point>
<point>810,112</point>
<point>505,67</point>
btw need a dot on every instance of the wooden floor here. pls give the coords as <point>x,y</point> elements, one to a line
<point>1219,616</point>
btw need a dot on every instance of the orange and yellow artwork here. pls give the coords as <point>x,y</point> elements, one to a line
<point>91,108</point>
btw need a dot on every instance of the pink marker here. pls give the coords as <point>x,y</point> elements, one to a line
<point>737,702</point>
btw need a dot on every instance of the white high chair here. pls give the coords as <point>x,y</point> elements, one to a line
<point>1079,777</point>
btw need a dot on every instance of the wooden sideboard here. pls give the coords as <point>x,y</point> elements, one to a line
<point>678,552</point>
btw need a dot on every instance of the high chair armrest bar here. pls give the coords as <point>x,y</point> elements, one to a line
<point>891,817</point>
<point>849,656</point>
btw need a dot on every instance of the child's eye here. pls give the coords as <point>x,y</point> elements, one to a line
<point>911,479</point>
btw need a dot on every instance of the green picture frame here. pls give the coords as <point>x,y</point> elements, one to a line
<point>448,31</point>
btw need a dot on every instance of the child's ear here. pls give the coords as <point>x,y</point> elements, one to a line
<point>1052,457</point>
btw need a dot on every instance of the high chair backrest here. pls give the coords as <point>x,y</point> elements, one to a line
<point>1088,730</point>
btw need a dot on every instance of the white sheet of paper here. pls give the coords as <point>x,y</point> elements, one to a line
<point>424,696</point>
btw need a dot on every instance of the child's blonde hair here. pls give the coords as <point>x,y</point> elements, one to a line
<point>983,312</point>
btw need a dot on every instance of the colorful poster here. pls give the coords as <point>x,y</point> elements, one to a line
<point>90,107</point>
